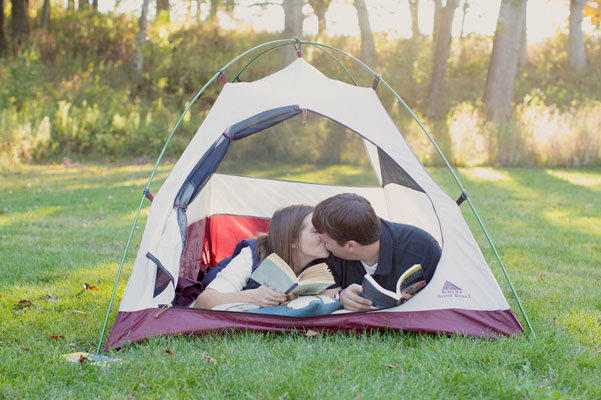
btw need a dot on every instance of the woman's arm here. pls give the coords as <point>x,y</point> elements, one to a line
<point>262,296</point>
<point>229,282</point>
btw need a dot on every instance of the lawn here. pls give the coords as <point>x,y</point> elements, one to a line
<point>63,228</point>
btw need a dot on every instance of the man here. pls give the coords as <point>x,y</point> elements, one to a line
<point>360,243</point>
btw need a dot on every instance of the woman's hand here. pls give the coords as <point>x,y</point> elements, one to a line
<point>265,297</point>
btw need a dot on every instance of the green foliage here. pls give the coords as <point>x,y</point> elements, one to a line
<point>73,92</point>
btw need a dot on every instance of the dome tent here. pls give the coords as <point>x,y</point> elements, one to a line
<point>197,216</point>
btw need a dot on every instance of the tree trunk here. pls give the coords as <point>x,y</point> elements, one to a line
<point>20,24</point>
<point>414,10</point>
<point>466,6</point>
<point>70,5</point>
<point>2,35</point>
<point>293,26</point>
<point>141,39</point>
<point>83,4</point>
<point>577,55</point>
<point>441,57</point>
<point>368,47</point>
<point>213,10</point>
<point>437,11</point>
<point>46,15</point>
<point>198,3</point>
<point>163,6</point>
<point>524,59</point>
<point>320,7</point>
<point>95,5</point>
<point>502,70</point>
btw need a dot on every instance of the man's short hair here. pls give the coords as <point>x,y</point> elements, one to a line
<point>345,217</point>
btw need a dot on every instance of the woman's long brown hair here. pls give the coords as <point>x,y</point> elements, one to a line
<point>284,230</point>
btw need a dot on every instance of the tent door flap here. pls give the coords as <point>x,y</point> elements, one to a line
<point>163,277</point>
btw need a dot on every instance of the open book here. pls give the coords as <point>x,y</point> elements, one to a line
<point>278,275</point>
<point>410,283</point>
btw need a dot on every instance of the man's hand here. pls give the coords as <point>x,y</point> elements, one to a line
<point>265,296</point>
<point>351,300</point>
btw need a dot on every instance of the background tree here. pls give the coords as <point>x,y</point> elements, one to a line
<point>502,69</point>
<point>2,36</point>
<point>441,57</point>
<point>83,4</point>
<point>436,24</point>
<point>70,5</point>
<point>576,53</point>
<point>216,5</point>
<point>163,7</point>
<point>293,26</point>
<point>95,5</point>
<point>46,14</point>
<point>138,61</point>
<point>414,10</point>
<point>524,59</point>
<point>368,47</point>
<point>464,8</point>
<point>320,7</point>
<point>20,24</point>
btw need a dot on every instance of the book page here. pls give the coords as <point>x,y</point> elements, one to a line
<point>319,272</point>
<point>311,287</point>
<point>271,274</point>
<point>410,278</point>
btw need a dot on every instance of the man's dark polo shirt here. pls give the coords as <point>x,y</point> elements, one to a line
<point>401,246</point>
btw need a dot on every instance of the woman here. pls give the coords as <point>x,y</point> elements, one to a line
<point>291,236</point>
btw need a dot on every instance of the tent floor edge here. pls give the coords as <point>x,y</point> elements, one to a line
<point>136,326</point>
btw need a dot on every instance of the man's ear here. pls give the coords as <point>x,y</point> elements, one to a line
<point>351,245</point>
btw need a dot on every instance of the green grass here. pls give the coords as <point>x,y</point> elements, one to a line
<point>61,228</point>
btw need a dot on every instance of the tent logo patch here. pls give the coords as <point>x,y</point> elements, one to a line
<point>451,290</point>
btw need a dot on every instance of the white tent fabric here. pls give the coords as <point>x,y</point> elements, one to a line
<point>462,280</point>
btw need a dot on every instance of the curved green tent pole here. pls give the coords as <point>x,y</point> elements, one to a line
<point>301,42</point>
<point>322,47</point>
<point>108,311</point>
<point>470,203</point>
<point>452,173</point>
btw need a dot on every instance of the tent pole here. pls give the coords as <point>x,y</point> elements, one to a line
<point>288,44</point>
<point>452,173</point>
<point>323,48</point>
<point>108,311</point>
<point>469,202</point>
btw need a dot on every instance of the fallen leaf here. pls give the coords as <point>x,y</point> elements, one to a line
<point>72,345</point>
<point>22,304</point>
<point>357,397</point>
<point>311,333</point>
<point>77,312</point>
<point>208,358</point>
<point>83,360</point>
<point>55,337</point>
<point>1,212</point>
<point>396,366</point>
<point>86,286</point>
<point>169,352</point>
<point>130,396</point>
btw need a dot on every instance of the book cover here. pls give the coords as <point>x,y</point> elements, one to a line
<point>410,282</point>
<point>278,275</point>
